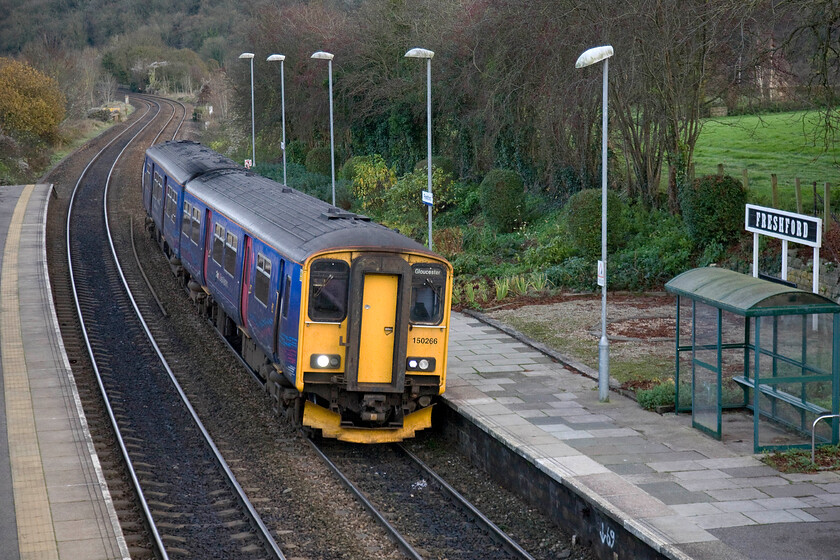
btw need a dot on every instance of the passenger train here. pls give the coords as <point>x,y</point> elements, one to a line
<point>344,319</point>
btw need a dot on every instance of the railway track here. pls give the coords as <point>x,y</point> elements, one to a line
<point>424,515</point>
<point>191,504</point>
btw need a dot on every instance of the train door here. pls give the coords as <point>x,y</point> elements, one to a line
<point>246,281</point>
<point>378,323</point>
<point>379,319</point>
<point>208,243</point>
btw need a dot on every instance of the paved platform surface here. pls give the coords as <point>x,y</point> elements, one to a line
<point>687,494</point>
<point>54,503</point>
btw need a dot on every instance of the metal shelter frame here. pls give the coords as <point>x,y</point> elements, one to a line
<point>780,345</point>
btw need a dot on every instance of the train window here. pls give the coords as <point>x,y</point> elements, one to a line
<point>158,188</point>
<point>287,289</point>
<point>185,220</point>
<point>427,293</point>
<point>261,282</point>
<point>218,243</point>
<point>328,280</point>
<point>171,205</point>
<point>230,253</point>
<point>196,225</point>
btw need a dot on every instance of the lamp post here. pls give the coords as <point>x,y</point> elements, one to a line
<point>281,58</point>
<point>250,57</point>
<point>321,55</point>
<point>427,54</point>
<point>589,57</point>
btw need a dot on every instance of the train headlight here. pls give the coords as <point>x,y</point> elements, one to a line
<point>325,361</point>
<point>420,364</point>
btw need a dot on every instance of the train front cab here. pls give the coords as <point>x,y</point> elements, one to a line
<point>373,343</point>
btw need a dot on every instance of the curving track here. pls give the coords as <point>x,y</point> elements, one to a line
<point>193,506</point>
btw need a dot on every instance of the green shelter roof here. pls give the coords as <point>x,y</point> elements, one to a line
<point>744,295</point>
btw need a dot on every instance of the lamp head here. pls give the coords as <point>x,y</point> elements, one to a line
<point>419,53</point>
<point>321,55</point>
<point>247,55</point>
<point>594,55</point>
<point>274,57</point>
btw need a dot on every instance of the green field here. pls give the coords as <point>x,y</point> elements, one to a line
<point>780,143</point>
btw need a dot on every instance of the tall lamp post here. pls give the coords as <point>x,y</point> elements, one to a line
<point>250,57</point>
<point>427,54</point>
<point>281,58</point>
<point>589,57</point>
<point>321,55</point>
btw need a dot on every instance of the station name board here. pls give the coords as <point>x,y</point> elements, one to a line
<point>780,224</point>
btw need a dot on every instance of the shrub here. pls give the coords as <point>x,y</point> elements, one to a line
<point>713,208</point>
<point>442,162</point>
<point>319,160</point>
<point>296,152</point>
<point>583,222</point>
<point>501,195</point>
<point>402,203</point>
<point>658,395</point>
<point>372,178</point>
<point>575,273</point>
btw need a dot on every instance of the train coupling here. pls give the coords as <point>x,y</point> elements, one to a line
<point>374,408</point>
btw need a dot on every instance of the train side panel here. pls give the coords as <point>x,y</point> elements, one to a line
<point>223,273</point>
<point>192,240</point>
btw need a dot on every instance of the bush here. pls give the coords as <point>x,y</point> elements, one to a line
<point>713,208</point>
<point>659,395</point>
<point>501,195</point>
<point>402,203</point>
<point>575,273</point>
<point>319,160</point>
<point>583,219</point>
<point>371,178</point>
<point>442,162</point>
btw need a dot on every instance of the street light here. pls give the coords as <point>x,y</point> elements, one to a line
<point>250,56</point>
<point>589,57</point>
<point>281,58</point>
<point>423,53</point>
<point>321,55</point>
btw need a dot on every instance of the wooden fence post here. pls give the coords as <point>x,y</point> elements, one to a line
<point>798,188</point>
<point>720,170</point>
<point>827,207</point>
<point>774,186</point>
<point>746,179</point>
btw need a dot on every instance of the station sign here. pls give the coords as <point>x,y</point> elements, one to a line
<point>780,224</point>
<point>428,199</point>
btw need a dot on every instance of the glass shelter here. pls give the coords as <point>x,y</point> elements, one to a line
<point>744,342</point>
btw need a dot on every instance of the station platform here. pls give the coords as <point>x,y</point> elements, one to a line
<point>684,494</point>
<point>54,502</point>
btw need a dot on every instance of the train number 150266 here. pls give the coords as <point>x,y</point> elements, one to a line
<point>424,340</point>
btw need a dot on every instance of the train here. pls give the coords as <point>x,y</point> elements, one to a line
<point>344,320</point>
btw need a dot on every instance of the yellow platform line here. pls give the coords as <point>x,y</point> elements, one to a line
<point>36,534</point>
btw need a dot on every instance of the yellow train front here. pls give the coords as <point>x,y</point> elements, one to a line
<point>372,343</point>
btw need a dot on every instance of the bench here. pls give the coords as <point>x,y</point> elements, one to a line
<point>781,395</point>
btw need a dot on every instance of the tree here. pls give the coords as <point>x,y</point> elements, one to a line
<point>31,104</point>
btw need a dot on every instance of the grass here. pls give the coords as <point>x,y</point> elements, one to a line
<point>799,460</point>
<point>782,143</point>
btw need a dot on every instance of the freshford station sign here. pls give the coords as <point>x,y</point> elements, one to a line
<point>798,228</point>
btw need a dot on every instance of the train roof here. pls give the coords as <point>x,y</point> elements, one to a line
<point>295,223</point>
<point>185,160</point>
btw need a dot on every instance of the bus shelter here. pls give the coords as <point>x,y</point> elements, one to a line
<point>745,342</point>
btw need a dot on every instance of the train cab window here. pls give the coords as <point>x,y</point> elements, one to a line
<point>427,293</point>
<point>218,243</point>
<point>185,220</point>
<point>196,225</point>
<point>328,281</point>
<point>262,280</point>
<point>230,253</point>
